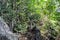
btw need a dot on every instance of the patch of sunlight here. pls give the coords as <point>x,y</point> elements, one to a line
<point>45,0</point>
<point>37,6</point>
<point>53,21</point>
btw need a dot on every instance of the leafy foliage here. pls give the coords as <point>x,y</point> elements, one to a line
<point>17,13</point>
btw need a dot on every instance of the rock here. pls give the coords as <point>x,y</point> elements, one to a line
<point>5,33</point>
<point>58,9</point>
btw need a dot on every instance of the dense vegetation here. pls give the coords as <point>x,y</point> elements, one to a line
<point>20,14</point>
